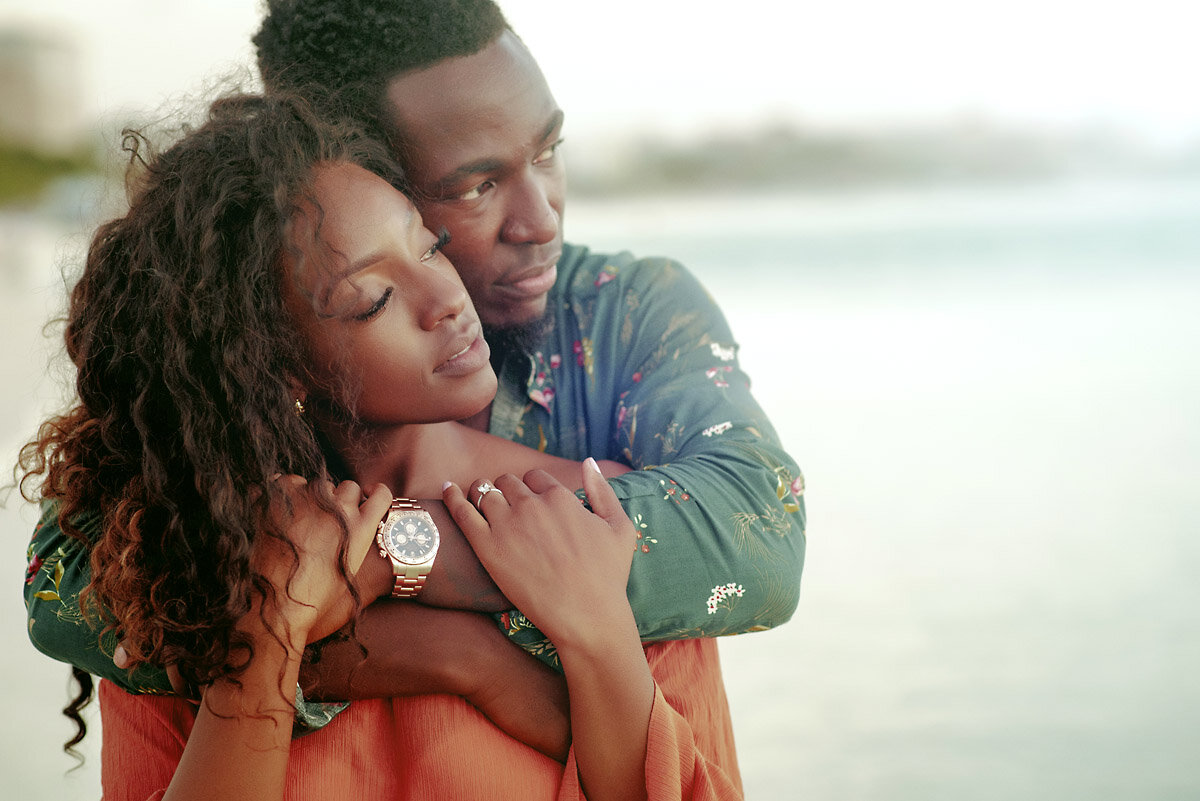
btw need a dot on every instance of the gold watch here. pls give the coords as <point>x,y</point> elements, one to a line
<point>409,538</point>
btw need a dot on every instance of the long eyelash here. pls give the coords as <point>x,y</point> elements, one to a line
<point>442,240</point>
<point>376,307</point>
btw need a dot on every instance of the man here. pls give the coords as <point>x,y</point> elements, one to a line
<point>597,355</point>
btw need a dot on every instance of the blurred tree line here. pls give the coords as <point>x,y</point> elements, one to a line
<point>26,173</point>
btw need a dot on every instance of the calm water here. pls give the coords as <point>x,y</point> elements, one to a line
<point>993,394</point>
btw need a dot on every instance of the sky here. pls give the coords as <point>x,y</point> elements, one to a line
<point>676,67</point>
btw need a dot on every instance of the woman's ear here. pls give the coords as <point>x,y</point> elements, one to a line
<point>299,395</point>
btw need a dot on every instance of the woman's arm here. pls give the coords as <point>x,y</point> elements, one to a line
<point>566,569</point>
<point>238,748</point>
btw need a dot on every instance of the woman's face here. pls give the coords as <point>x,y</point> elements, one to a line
<point>381,309</point>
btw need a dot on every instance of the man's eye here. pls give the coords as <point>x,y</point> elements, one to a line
<point>548,153</point>
<point>475,192</point>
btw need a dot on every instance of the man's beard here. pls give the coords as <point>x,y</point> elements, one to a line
<point>517,338</point>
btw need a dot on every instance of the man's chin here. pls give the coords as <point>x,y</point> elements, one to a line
<point>521,337</point>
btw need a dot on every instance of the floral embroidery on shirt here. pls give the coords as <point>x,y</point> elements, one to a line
<point>525,634</point>
<point>718,429</point>
<point>785,486</point>
<point>583,354</point>
<point>607,274</point>
<point>723,353</point>
<point>724,596</point>
<point>772,520</point>
<point>35,564</point>
<point>541,384</point>
<point>717,375</point>
<point>670,438</point>
<point>644,540</point>
<point>53,568</point>
<point>625,433</point>
<point>674,492</point>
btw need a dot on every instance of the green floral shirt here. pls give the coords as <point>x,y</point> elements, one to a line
<point>638,366</point>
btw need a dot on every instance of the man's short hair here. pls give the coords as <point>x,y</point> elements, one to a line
<point>352,48</point>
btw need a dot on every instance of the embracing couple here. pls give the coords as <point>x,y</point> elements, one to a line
<point>346,402</point>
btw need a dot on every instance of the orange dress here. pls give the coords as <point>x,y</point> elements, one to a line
<point>441,747</point>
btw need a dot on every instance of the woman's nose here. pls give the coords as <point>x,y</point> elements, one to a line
<point>441,297</point>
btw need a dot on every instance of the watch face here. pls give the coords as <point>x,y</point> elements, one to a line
<point>411,538</point>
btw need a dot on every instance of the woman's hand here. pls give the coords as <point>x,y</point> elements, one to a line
<point>564,567</point>
<point>312,598</point>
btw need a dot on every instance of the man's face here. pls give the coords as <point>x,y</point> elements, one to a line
<point>480,137</point>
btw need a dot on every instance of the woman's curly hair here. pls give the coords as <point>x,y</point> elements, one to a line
<point>187,363</point>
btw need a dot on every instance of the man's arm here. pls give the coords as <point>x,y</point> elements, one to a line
<point>642,368</point>
<point>57,570</point>
<point>717,501</point>
<point>461,653</point>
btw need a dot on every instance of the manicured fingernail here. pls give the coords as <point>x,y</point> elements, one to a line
<point>446,486</point>
<point>590,462</point>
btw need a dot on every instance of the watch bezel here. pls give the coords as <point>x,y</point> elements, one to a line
<point>389,522</point>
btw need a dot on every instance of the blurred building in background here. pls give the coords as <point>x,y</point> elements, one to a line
<point>40,90</point>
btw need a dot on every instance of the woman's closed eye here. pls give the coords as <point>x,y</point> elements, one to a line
<point>442,240</point>
<point>376,307</point>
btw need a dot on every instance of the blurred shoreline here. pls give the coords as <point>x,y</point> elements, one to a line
<point>991,392</point>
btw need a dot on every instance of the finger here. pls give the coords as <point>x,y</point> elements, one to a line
<point>121,657</point>
<point>322,487</point>
<point>291,481</point>
<point>462,510</point>
<point>600,494</point>
<point>369,513</point>
<point>178,685</point>
<point>483,491</point>
<point>376,505</point>
<point>349,494</point>
<point>540,481</point>
<point>514,489</point>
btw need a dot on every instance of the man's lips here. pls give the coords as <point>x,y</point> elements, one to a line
<point>531,286</point>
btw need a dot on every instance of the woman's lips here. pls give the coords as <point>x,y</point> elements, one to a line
<point>468,360</point>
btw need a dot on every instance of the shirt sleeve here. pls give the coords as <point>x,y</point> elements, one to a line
<point>57,571</point>
<point>652,379</point>
<point>58,568</point>
<point>689,749</point>
<point>716,501</point>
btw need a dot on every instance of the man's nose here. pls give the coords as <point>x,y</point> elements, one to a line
<point>533,216</point>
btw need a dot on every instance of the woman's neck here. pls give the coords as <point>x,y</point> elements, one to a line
<point>413,460</point>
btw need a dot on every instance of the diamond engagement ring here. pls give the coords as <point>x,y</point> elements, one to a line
<point>484,489</point>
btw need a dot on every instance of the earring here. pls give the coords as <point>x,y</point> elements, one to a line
<point>299,408</point>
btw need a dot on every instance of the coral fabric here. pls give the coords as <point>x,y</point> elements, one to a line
<point>441,747</point>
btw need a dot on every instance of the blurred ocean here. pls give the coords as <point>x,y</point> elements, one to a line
<point>993,392</point>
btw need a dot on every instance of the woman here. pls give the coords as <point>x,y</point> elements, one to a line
<point>270,311</point>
